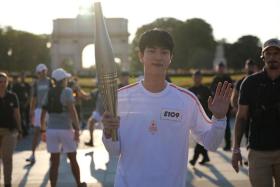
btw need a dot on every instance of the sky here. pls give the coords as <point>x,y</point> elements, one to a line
<point>230,19</point>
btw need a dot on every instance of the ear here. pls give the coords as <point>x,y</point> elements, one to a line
<point>171,57</point>
<point>140,56</point>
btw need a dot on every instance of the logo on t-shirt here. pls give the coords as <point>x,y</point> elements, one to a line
<point>153,127</point>
<point>169,114</point>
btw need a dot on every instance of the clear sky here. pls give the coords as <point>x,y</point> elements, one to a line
<point>230,19</point>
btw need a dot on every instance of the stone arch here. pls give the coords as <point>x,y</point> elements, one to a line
<point>88,50</point>
<point>71,35</point>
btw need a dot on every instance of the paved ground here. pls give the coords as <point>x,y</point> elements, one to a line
<point>98,170</point>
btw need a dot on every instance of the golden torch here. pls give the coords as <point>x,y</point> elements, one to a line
<point>105,65</point>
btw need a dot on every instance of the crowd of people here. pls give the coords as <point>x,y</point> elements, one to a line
<point>52,107</point>
<point>155,116</point>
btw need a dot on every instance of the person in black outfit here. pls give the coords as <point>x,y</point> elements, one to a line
<point>221,77</point>
<point>22,89</point>
<point>259,103</point>
<point>10,128</point>
<point>202,92</point>
<point>250,68</point>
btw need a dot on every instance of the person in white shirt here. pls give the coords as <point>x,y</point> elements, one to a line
<point>155,118</point>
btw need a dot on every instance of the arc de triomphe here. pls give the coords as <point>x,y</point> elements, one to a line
<point>71,35</point>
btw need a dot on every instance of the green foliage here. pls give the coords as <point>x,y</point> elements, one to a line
<point>194,43</point>
<point>22,51</point>
<point>194,47</point>
<point>238,52</point>
<point>193,38</point>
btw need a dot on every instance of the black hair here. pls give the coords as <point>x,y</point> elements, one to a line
<point>156,38</point>
<point>250,62</point>
<point>197,73</point>
<point>2,74</point>
<point>221,64</point>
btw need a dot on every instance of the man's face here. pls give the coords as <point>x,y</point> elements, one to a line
<point>250,69</point>
<point>271,57</point>
<point>3,83</point>
<point>221,69</point>
<point>155,59</point>
<point>42,74</point>
<point>197,79</point>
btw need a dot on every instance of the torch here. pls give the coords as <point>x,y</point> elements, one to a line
<point>105,65</point>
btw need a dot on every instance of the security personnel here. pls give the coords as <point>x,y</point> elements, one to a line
<point>202,92</point>
<point>259,102</point>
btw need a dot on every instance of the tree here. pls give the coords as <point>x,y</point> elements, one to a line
<point>22,51</point>
<point>194,42</point>
<point>246,47</point>
<point>196,45</point>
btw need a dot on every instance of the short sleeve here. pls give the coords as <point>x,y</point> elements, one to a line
<point>67,97</point>
<point>238,85</point>
<point>244,94</point>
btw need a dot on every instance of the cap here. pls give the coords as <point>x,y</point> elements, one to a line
<point>2,74</point>
<point>60,74</point>
<point>41,67</point>
<point>271,43</point>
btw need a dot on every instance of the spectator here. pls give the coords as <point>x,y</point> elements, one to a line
<point>22,89</point>
<point>124,79</point>
<point>95,116</point>
<point>79,95</point>
<point>38,94</point>
<point>10,127</point>
<point>59,134</point>
<point>202,93</point>
<point>222,76</point>
<point>250,68</point>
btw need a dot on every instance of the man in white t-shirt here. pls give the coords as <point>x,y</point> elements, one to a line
<point>155,118</point>
<point>39,92</point>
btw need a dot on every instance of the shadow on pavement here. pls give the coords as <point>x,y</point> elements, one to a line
<point>103,176</point>
<point>227,159</point>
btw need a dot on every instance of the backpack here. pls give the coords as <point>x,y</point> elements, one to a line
<point>54,104</point>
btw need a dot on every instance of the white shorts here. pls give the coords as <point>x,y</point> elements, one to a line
<point>61,140</point>
<point>96,116</point>
<point>37,117</point>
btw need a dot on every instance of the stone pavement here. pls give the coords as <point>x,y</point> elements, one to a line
<point>98,170</point>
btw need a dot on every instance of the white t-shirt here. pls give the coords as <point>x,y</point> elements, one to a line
<point>154,135</point>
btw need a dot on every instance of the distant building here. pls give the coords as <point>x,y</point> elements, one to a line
<point>71,35</point>
<point>219,55</point>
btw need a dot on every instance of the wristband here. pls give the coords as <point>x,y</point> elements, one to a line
<point>236,151</point>
<point>42,131</point>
